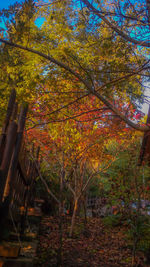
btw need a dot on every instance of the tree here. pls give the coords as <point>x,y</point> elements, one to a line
<point>126,19</point>
<point>129,193</point>
<point>71,147</point>
<point>102,64</point>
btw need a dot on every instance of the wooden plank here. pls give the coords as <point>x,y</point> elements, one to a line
<point>9,251</point>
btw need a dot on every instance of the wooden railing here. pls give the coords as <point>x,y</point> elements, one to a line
<point>17,170</point>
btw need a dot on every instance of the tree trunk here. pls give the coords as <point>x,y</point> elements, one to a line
<point>73,217</point>
<point>61,208</point>
<point>85,210</point>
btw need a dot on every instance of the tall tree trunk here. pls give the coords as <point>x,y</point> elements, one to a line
<point>61,210</point>
<point>73,216</point>
<point>85,209</point>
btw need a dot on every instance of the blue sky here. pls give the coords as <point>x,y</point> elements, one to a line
<point>7,3</point>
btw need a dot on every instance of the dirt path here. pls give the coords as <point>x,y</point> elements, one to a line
<point>98,246</point>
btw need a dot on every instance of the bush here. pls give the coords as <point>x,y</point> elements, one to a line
<point>112,220</point>
<point>139,232</point>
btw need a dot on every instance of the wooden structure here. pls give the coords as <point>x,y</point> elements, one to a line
<point>145,147</point>
<point>17,170</point>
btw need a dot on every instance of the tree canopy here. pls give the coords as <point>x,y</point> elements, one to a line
<point>83,67</point>
<point>76,54</point>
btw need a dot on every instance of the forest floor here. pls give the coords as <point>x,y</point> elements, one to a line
<point>98,245</point>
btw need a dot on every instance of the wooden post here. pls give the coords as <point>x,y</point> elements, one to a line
<point>10,141</point>
<point>14,112</point>
<point>9,109</point>
<point>6,123</point>
<point>15,156</point>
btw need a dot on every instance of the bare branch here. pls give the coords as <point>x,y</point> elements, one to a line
<point>43,180</point>
<point>113,27</point>
<point>86,84</point>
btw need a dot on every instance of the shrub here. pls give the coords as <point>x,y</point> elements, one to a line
<point>112,220</point>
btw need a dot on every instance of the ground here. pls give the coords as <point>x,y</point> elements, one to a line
<point>98,245</point>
